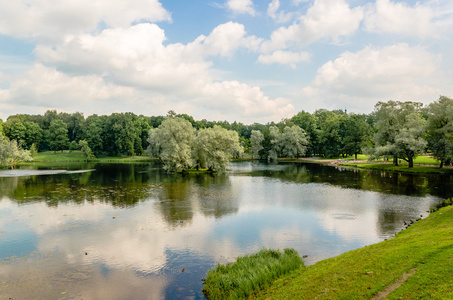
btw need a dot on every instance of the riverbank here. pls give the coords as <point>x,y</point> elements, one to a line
<point>76,156</point>
<point>417,263</point>
<point>422,164</point>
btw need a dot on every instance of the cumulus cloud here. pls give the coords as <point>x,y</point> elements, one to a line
<point>360,79</point>
<point>328,19</point>
<point>420,20</point>
<point>43,87</point>
<point>133,65</point>
<point>274,13</point>
<point>284,57</point>
<point>51,20</point>
<point>241,6</point>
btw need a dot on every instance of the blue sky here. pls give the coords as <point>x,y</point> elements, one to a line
<point>236,60</point>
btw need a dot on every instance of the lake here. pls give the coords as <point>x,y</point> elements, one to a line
<point>132,231</point>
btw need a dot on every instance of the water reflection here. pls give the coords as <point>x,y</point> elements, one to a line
<point>128,231</point>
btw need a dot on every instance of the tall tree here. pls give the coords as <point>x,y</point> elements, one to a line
<point>214,147</point>
<point>329,137</point>
<point>58,135</point>
<point>93,134</point>
<point>256,139</point>
<point>308,123</point>
<point>293,141</point>
<point>356,133</point>
<point>172,142</point>
<point>33,134</point>
<point>275,148</point>
<point>440,129</point>
<point>400,130</point>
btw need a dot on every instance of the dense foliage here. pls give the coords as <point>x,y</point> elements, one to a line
<point>397,130</point>
<point>180,146</point>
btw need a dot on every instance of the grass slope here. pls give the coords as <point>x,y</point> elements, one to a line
<point>417,263</point>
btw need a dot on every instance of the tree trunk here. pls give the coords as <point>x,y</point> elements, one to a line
<point>355,156</point>
<point>411,162</point>
<point>441,163</point>
<point>395,160</point>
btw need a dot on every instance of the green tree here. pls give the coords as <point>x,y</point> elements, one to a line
<point>75,124</point>
<point>214,147</point>
<point>293,141</point>
<point>308,123</point>
<point>11,153</point>
<point>400,131</point>
<point>356,134</point>
<point>275,148</point>
<point>256,139</point>
<point>329,137</point>
<point>5,149</point>
<point>86,150</point>
<point>33,150</point>
<point>58,135</point>
<point>440,129</point>
<point>93,133</point>
<point>33,134</point>
<point>18,132</point>
<point>172,142</point>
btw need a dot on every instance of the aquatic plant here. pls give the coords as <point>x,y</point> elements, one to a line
<point>249,273</point>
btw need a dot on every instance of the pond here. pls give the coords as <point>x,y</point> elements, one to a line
<point>132,231</point>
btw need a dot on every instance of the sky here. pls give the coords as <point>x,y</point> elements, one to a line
<point>235,60</point>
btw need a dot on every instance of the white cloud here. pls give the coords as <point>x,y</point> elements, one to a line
<point>279,17</point>
<point>298,2</point>
<point>133,66</point>
<point>420,20</point>
<point>43,87</point>
<point>284,57</point>
<point>241,6</point>
<point>328,19</point>
<point>51,20</point>
<point>224,40</point>
<point>360,79</point>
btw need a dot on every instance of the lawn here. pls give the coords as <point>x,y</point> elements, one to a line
<point>77,156</point>
<point>417,263</point>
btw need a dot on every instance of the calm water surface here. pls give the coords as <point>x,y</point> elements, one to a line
<point>129,231</point>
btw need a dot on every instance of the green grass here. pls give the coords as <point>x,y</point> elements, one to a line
<point>401,168</point>
<point>426,247</point>
<point>249,273</point>
<point>77,156</point>
<point>48,156</point>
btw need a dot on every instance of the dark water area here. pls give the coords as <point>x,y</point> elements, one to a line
<point>133,231</point>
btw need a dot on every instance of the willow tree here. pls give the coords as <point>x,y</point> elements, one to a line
<point>172,142</point>
<point>214,148</point>
<point>400,131</point>
<point>256,139</point>
<point>11,152</point>
<point>293,141</point>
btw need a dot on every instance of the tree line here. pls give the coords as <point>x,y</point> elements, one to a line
<point>397,130</point>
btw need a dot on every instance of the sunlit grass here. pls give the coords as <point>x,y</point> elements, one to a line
<point>249,273</point>
<point>425,248</point>
<point>77,156</point>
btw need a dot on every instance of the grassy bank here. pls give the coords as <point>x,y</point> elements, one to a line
<point>417,263</point>
<point>249,273</point>
<point>77,156</point>
<point>401,168</point>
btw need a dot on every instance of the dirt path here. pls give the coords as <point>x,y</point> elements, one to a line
<point>383,294</point>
